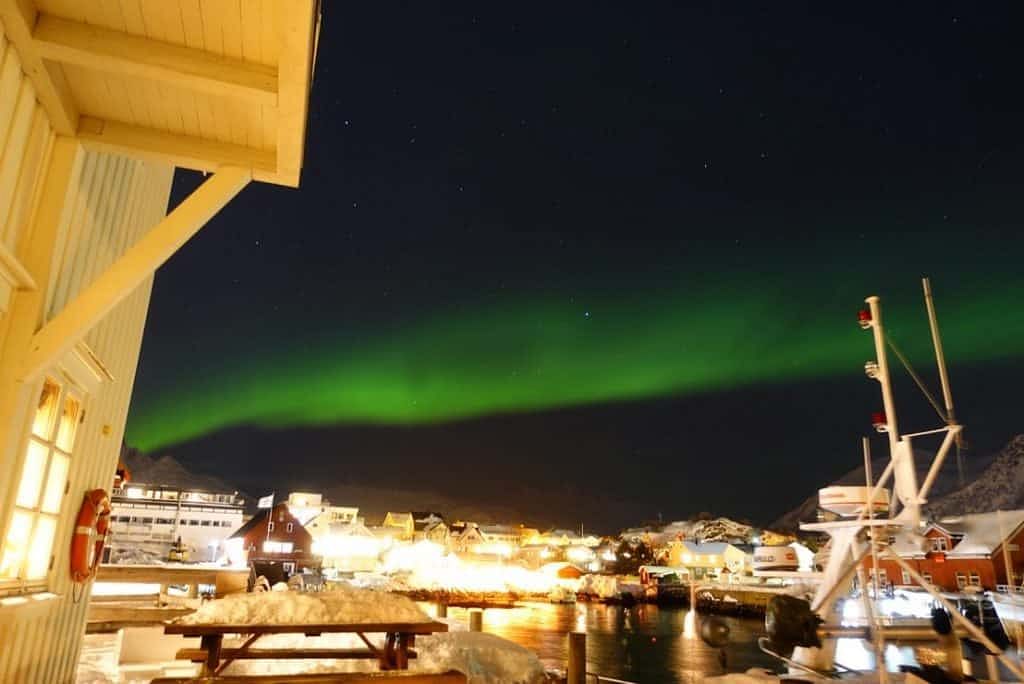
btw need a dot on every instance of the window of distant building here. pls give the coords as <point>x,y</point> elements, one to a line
<point>927,577</point>
<point>975,579</point>
<point>939,544</point>
<point>905,577</point>
<point>961,580</point>
<point>270,527</point>
<point>288,527</point>
<point>277,547</point>
<point>27,551</point>
<point>892,539</point>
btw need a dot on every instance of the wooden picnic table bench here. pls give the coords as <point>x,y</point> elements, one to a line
<point>340,678</point>
<point>395,653</point>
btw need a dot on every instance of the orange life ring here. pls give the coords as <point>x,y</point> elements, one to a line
<point>91,527</point>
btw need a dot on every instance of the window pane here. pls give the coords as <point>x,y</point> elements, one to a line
<point>32,474</point>
<point>68,424</point>
<point>39,549</point>
<point>54,491</point>
<point>42,424</point>
<point>16,544</point>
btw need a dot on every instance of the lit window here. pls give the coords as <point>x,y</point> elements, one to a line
<point>939,544</point>
<point>28,542</point>
<point>975,579</point>
<point>270,527</point>
<point>906,577</point>
<point>961,580</point>
<point>289,527</point>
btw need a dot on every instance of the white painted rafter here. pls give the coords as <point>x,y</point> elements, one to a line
<point>19,19</point>
<point>122,277</point>
<point>117,52</point>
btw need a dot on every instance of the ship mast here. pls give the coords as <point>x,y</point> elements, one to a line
<point>940,360</point>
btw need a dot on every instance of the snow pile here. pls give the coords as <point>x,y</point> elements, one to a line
<point>344,605</point>
<point>483,658</point>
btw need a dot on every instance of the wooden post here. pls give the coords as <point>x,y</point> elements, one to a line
<point>442,609</point>
<point>577,667</point>
<point>476,621</point>
<point>954,655</point>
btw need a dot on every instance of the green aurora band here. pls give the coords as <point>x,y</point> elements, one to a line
<point>544,353</point>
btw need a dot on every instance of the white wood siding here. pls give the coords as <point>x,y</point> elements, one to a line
<point>111,202</point>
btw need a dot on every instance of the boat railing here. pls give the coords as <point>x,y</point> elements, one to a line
<point>1009,588</point>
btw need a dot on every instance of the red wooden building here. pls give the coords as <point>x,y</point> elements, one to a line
<point>275,535</point>
<point>959,552</point>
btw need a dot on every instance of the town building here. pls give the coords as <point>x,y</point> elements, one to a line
<point>464,538</point>
<point>349,547</point>
<point>97,109</point>
<point>276,536</point>
<point>399,525</point>
<point>147,519</point>
<point>429,526</point>
<point>318,515</point>
<point>959,552</point>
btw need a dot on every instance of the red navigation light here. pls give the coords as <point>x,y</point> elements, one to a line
<point>878,420</point>
<point>864,318</point>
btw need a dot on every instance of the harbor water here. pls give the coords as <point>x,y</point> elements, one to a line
<point>649,644</point>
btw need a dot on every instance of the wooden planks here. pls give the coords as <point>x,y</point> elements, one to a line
<point>118,52</point>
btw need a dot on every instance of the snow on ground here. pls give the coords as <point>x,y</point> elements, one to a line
<point>98,661</point>
<point>343,605</point>
<point>483,658</point>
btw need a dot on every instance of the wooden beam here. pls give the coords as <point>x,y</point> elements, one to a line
<point>184,151</point>
<point>116,52</point>
<point>299,21</point>
<point>19,18</point>
<point>131,269</point>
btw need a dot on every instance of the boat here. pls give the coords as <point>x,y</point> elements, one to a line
<point>859,520</point>
<point>851,502</point>
<point>777,558</point>
<point>1009,607</point>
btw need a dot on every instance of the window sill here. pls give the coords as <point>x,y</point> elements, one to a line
<point>26,600</point>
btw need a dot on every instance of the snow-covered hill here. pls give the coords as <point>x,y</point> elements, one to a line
<point>715,530</point>
<point>999,486</point>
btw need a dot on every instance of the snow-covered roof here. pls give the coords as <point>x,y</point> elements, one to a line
<point>352,529</point>
<point>710,548</point>
<point>979,532</point>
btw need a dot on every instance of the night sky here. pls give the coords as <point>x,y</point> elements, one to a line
<point>593,262</point>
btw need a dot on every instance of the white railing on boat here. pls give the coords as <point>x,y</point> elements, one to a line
<point>1007,588</point>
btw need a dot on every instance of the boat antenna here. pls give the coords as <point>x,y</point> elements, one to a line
<point>940,359</point>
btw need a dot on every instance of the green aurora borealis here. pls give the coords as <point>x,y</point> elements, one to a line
<point>545,352</point>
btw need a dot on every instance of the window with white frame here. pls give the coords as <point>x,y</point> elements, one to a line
<point>46,458</point>
<point>975,579</point>
<point>906,576</point>
<point>961,580</point>
<point>940,544</point>
<point>927,577</point>
<point>288,527</point>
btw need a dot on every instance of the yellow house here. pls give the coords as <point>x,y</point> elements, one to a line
<point>100,101</point>
<point>402,523</point>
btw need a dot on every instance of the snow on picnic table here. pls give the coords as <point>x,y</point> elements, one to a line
<point>346,605</point>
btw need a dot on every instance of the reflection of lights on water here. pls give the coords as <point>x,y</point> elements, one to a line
<point>690,625</point>
<point>581,619</point>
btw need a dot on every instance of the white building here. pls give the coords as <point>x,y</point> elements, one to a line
<point>318,515</point>
<point>150,518</point>
<point>98,106</point>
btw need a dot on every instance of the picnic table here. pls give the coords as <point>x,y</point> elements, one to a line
<point>399,638</point>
